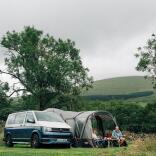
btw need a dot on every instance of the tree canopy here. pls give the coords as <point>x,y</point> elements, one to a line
<point>147,59</point>
<point>46,68</point>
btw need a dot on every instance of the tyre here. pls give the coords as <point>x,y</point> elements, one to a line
<point>8,141</point>
<point>35,141</point>
<point>68,146</point>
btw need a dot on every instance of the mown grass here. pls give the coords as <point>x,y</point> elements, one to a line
<point>27,151</point>
<point>136,148</point>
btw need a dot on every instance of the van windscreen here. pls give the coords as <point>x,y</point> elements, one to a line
<point>48,116</point>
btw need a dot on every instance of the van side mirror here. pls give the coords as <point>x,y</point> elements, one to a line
<point>30,121</point>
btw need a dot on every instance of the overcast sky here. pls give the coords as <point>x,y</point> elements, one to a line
<point>107,32</point>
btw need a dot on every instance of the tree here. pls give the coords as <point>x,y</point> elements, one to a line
<point>46,68</point>
<point>150,117</point>
<point>147,59</point>
<point>4,102</point>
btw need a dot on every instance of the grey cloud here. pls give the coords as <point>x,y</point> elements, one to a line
<point>102,29</point>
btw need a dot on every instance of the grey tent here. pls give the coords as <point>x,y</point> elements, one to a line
<point>82,123</point>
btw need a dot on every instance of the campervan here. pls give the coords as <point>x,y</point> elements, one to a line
<point>36,128</point>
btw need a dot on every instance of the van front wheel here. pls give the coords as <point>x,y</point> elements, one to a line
<point>35,143</point>
<point>8,141</point>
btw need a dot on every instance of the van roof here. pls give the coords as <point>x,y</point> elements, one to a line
<point>25,111</point>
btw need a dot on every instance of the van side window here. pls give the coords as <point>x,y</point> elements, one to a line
<point>30,117</point>
<point>19,118</point>
<point>11,119</point>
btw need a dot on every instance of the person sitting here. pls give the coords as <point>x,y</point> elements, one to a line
<point>98,141</point>
<point>94,134</point>
<point>117,134</point>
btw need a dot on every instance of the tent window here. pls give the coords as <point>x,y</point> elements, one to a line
<point>108,126</point>
<point>97,124</point>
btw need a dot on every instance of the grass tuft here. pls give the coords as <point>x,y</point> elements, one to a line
<point>146,147</point>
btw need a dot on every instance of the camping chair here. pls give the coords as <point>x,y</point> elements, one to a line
<point>115,143</point>
<point>112,142</point>
<point>100,143</point>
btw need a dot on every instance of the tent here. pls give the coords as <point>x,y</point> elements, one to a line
<point>83,123</point>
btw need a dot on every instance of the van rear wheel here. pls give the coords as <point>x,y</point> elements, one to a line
<point>8,141</point>
<point>35,143</point>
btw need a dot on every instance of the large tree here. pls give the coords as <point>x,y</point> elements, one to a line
<point>147,59</point>
<point>46,68</point>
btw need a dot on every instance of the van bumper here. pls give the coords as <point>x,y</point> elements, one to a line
<point>55,141</point>
<point>56,138</point>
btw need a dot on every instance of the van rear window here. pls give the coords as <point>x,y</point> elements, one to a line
<point>11,119</point>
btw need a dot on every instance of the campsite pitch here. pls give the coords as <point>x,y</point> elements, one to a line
<point>137,148</point>
<point>27,151</point>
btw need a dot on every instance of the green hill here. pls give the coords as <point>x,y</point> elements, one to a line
<point>121,87</point>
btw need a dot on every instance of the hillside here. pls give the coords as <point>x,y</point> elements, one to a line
<point>121,86</point>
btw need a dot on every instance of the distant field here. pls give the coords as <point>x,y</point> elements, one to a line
<point>120,85</point>
<point>121,88</point>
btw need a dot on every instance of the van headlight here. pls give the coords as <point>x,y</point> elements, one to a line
<point>48,129</point>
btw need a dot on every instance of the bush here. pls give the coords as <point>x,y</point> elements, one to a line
<point>131,116</point>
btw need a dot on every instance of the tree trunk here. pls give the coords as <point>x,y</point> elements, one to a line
<point>42,103</point>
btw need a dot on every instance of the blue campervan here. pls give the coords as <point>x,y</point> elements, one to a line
<point>36,128</point>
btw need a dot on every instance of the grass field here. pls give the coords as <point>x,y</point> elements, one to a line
<point>120,85</point>
<point>27,151</point>
<point>136,148</point>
